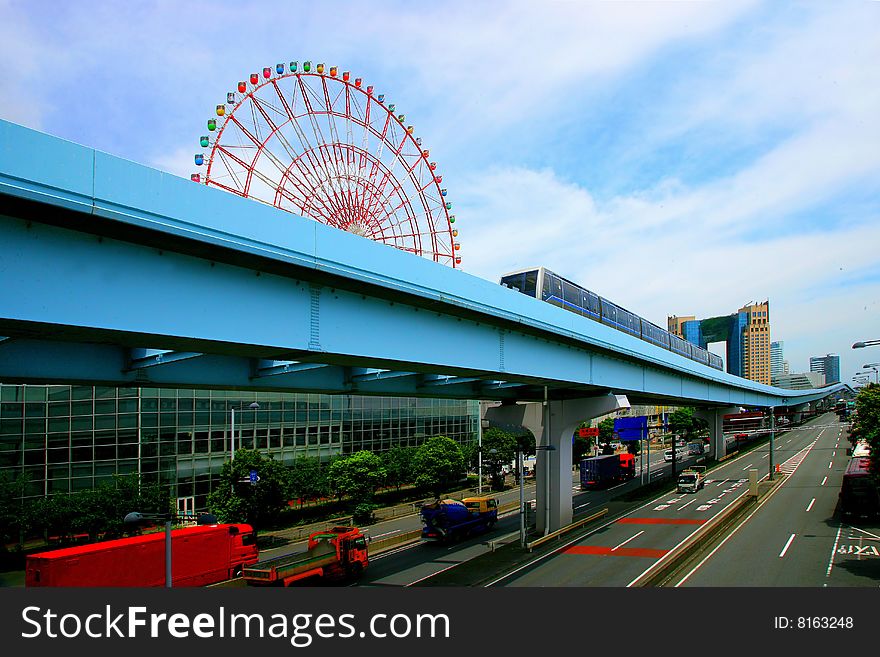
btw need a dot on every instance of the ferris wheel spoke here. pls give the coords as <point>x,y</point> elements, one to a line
<point>335,154</point>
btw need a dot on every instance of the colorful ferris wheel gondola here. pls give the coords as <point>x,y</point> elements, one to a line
<point>316,143</point>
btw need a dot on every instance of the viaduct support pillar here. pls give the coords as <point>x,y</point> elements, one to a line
<point>715,419</point>
<point>553,466</point>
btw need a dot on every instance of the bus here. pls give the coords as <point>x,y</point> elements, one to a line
<point>859,496</point>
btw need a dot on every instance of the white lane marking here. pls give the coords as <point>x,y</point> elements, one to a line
<point>721,483</point>
<point>583,505</point>
<point>765,456</point>
<point>627,540</point>
<point>823,481</point>
<point>386,533</point>
<point>686,504</point>
<point>834,453</point>
<point>748,466</point>
<point>829,464</point>
<point>833,552</point>
<point>812,502</point>
<point>785,549</point>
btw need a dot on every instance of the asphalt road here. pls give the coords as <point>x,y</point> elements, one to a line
<point>795,538</point>
<point>618,552</point>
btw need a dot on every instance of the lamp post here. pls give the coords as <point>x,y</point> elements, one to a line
<point>873,366</point>
<point>546,448</point>
<point>866,343</point>
<point>479,456</point>
<point>253,406</point>
<point>522,499</point>
<point>136,518</point>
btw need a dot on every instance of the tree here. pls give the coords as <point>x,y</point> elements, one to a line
<point>682,422</point>
<point>504,445</point>
<point>437,463</point>
<point>867,423</point>
<point>398,464</point>
<point>580,449</point>
<point>357,476</point>
<point>236,499</point>
<point>606,431</point>
<point>307,479</point>
<point>633,446</point>
<point>13,515</point>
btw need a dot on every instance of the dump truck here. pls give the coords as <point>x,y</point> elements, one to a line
<point>692,479</point>
<point>601,471</point>
<point>200,555</point>
<point>334,554</point>
<point>449,519</point>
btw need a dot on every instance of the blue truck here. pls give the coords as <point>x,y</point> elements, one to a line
<point>448,520</point>
<point>601,471</point>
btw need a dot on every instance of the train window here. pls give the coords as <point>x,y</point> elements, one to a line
<point>572,296</point>
<point>515,281</point>
<point>530,283</point>
<point>546,292</point>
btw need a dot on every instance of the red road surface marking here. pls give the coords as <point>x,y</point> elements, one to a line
<point>620,552</point>
<point>661,521</point>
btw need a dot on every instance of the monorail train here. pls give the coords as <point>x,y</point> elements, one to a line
<point>543,284</point>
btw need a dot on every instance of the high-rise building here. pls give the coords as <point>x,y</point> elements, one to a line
<point>777,362</point>
<point>746,332</point>
<point>829,365</point>
<point>801,380</point>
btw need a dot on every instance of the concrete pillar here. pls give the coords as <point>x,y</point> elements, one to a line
<point>715,419</point>
<point>553,467</point>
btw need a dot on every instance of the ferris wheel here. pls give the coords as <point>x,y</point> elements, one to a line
<point>315,143</point>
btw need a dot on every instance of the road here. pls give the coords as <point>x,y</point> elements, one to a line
<point>794,538</point>
<point>618,552</point>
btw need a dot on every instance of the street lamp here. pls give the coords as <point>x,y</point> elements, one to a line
<point>873,366</point>
<point>254,406</point>
<point>136,518</point>
<point>866,343</point>
<point>865,374</point>
<point>546,448</point>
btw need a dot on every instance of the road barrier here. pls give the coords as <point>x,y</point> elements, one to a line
<point>379,545</point>
<point>559,532</point>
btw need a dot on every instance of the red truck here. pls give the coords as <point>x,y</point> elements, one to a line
<point>201,555</point>
<point>334,554</point>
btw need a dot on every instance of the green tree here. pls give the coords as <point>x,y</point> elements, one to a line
<point>357,476</point>
<point>438,463</point>
<point>499,449</point>
<point>398,464</point>
<point>235,499</point>
<point>606,431</point>
<point>527,443</point>
<point>307,479</point>
<point>13,510</point>
<point>867,423</point>
<point>580,449</point>
<point>682,422</point>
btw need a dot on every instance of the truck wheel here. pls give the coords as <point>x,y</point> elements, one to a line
<point>236,572</point>
<point>355,570</point>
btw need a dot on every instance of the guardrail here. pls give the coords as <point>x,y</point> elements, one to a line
<point>564,530</point>
<point>379,545</point>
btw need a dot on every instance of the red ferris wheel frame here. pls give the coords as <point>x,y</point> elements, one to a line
<point>332,180</point>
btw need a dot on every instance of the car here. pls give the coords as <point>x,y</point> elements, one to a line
<point>680,453</point>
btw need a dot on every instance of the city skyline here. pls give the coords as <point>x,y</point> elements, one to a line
<point>702,151</point>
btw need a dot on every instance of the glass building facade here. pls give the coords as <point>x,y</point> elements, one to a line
<point>72,438</point>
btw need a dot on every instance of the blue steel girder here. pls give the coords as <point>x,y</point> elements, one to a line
<point>99,256</point>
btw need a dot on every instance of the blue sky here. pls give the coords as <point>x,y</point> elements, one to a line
<point>677,158</point>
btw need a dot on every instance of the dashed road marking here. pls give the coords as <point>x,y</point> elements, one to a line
<point>787,544</point>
